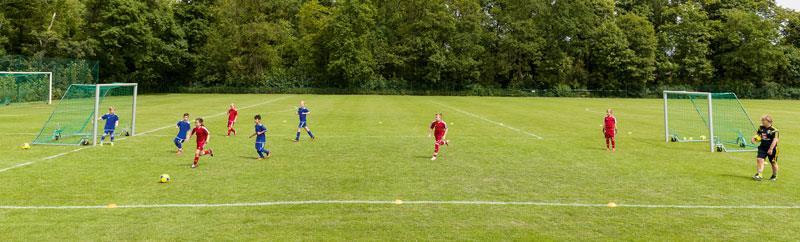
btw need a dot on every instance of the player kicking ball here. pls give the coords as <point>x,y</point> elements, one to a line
<point>610,130</point>
<point>439,130</point>
<point>233,114</point>
<point>302,113</point>
<point>203,136</point>
<point>183,131</point>
<point>261,139</point>
<point>112,121</point>
<point>768,136</point>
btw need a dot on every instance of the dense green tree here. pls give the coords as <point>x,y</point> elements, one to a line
<point>137,41</point>
<point>514,43</point>
<point>641,38</point>
<point>748,46</point>
<point>349,41</point>
<point>4,25</point>
<point>747,54</point>
<point>685,46</point>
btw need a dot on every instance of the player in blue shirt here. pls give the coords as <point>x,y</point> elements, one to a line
<point>184,127</point>
<point>261,139</point>
<point>112,121</point>
<point>303,112</point>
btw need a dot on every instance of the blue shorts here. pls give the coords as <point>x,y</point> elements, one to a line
<point>109,131</point>
<point>179,142</point>
<point>261,146</point>
<point>302,124</point>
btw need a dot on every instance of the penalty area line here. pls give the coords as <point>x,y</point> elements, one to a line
<point>23,164</point>
<point>490,121</point>
<point>401,202</point>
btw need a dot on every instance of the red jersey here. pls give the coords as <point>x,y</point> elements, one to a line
<point>610,124</point>
<point>232,113</point>
<point>439,127</point>
<point>202,135</point>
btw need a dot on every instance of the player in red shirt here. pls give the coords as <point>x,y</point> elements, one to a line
<point>610,130</point>
<point>233,113</point>
<point>203,136</point>
<point>439,131</point>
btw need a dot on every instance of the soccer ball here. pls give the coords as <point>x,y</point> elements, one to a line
<point>26,146</point>
<point>165,178</point>
<point>757,138</point>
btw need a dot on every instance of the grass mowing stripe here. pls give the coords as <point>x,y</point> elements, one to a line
<point>489,120</point>
<point>27,163</point>
<point>400,202</point>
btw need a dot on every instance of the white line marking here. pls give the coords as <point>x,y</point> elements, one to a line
<point>400,203</point>
<point>43,159</point>
<point>123,138</point>
<point>490,121</point>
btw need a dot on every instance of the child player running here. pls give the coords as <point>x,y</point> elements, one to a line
<point>183,131</point>
<point>439,130</point>
<point>203,136</point>
<point>233,114</point>
<point>768,149</point>
<point>610,130</point>
<point>261,139</point>
<point>112,121</point>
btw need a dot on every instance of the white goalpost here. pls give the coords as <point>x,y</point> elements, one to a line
<point>710,114</point>
<point>98,94</point>
<point>76,119</point>
<point>717,118</point>
<point>49,77</point>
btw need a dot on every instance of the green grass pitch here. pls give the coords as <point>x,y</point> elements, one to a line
<point>374,148</point>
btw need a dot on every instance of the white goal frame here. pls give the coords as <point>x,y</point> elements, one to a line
<point>49,75</point>
<point>97,107</point>
<point>712,142</point>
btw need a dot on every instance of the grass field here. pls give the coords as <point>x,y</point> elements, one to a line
<point>544,157</point>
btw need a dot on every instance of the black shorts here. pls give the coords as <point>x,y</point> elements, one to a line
<point>762,154</point>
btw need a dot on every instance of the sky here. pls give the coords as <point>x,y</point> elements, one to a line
<point>793,4</point>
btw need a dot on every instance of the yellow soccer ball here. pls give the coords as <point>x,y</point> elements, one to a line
<point>757,138</point>
<point>165,178</point>
<point>26,146</point>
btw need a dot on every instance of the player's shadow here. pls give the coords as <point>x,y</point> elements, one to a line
<point>736,176</point>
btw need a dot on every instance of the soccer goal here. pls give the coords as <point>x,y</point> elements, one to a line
<point>716,118</point>
<point>26,86</point>
<point>76,118</point>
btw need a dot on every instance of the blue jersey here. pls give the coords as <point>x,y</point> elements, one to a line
<point>183,128</point>
<point>261,138</point>
<point>111,121</point>
<point>302,112</point>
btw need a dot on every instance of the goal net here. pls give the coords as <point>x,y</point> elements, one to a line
<point>716,118</point>
<point>17,87</point>
<point>76,118</point>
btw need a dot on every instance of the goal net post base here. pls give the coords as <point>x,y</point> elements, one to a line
<point>716,118</point>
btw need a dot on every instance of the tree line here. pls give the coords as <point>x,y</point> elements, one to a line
<point>751,47</point>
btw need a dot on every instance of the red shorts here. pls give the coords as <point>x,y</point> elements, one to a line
<point>230,123</point>
<point>201,146</point>
<point>610,134</point>
<point>439,140</point>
